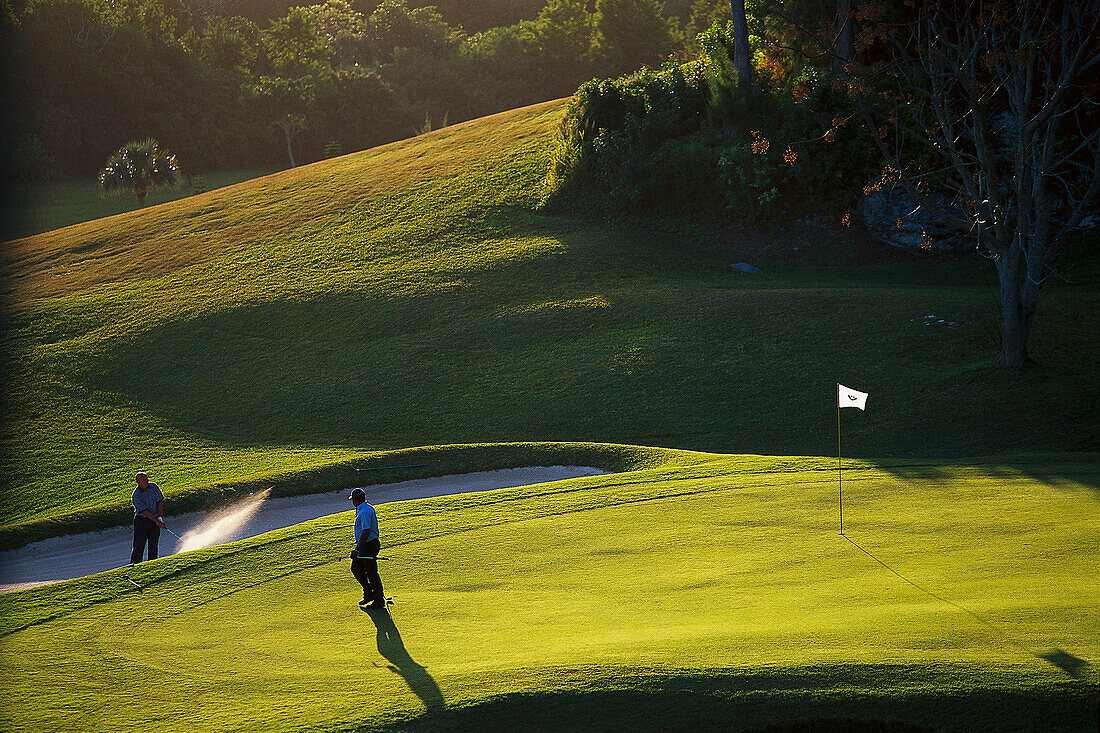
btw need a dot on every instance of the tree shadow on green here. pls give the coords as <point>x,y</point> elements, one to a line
<point>393,649</point>
<point>878,698</point>
<point>1059,471</point>
<point>1075,667</point>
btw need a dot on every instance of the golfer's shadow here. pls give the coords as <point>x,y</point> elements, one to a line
<point>393,649</point>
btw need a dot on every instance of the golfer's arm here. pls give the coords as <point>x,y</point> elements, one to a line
<point>150,516</point>
<point>160,508</point>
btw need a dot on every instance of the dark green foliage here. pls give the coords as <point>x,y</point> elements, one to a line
<point>393,25</point>
<point>288,105</point>
<point>531,61</point>
<point>433,85</point>
<point>294,46</point>
<point>91,77</point>
<point>257,11</point>
<point>703,15</point>
<point>363,110</point>
<point>751,188</point>
<point>631,34</point>
<point>685,141</point>
<point>92,74</point>
<point>716,45</point>
<point>478,15</point>
<point>632,144</point>
<point>343,31</point>
<point>232,44</point>
<point>30,163</point>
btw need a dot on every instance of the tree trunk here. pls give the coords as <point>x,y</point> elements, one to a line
<point>141,192</point>
<point>844,49</point>
<point>741,61</point>
<point>1015,317</point>
<point>289,150</point>
<point>375,61</point>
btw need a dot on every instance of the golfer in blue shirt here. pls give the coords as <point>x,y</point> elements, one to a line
<point>364,566</point>
<point>148,509</point>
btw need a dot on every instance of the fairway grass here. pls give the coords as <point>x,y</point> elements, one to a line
<point>716,593</point>
<point>412,295</point>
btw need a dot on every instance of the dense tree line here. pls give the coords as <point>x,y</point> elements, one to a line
<point>241,83</point>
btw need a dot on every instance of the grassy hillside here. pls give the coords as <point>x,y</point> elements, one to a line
<point>712,594</point>
<point>410,295</point>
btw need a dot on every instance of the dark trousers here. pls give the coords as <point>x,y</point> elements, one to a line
<point>145,530</point>
<point>366,571</point>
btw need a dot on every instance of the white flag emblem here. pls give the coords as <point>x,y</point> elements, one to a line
<point>850,398</point>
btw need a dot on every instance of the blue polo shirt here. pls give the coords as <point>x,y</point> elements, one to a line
<point>366,520</point>
<point>147,499</point>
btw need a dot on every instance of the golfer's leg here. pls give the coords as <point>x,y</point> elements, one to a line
<point>154,539</point>
<point>360,574</point>
<point>375,581</point>
<point>141,534</point>
<point>374,547</point>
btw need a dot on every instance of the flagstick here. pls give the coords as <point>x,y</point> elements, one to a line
<point>839,466</point>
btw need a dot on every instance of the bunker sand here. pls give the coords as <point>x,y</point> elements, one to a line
<point>74,556</point>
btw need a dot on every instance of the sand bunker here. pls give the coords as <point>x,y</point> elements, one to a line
<point>74,556</point>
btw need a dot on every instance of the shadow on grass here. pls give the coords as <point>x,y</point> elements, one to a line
<point>1073,666</point>
<point>444,367</point>
<point>591,333</point>
<point>1053,470</point>
<point>862,698</point>
<point>393,649</point>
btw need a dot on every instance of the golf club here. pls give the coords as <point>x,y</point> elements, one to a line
<point>131,582</point>
<point>351,557</point>
<point>170,531</point>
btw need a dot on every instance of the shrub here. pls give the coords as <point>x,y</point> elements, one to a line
<point>684,176</point>
<point>752,193</point>
<point>683,141</point>
<point>614,139</point>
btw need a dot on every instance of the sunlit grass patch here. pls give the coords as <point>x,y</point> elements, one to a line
<point>718,590</point>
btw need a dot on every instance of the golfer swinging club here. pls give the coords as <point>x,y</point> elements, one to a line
<point>364,566</point>
<point>148,517</point>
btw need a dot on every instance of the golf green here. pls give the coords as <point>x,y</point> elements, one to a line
<point>719,593</point>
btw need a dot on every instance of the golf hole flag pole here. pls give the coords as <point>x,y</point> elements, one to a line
<point>845,397</point>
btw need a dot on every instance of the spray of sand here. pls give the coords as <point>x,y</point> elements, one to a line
<point>223,524</point>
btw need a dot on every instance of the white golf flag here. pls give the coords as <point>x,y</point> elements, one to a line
<point>847,397</point>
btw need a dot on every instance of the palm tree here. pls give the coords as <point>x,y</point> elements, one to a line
<point>139,165</point>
